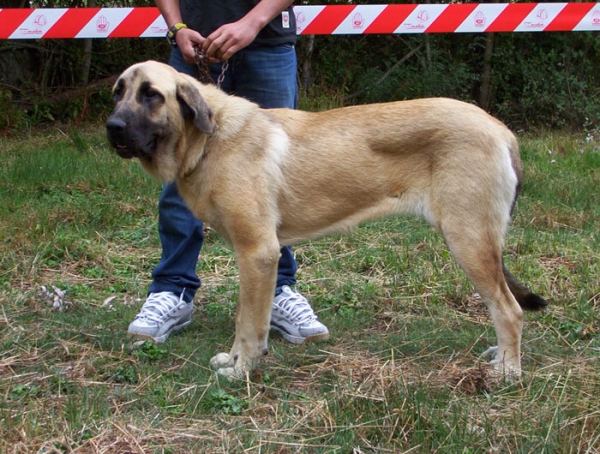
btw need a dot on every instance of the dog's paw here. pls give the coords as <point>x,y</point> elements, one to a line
<point>506,369</point>
<point>490,354</point>
<point>232,373</point>
<point>225,365</point>
<point>221,360</point>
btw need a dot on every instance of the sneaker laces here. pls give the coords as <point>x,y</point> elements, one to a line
<point>296,306</point>
<point>159,304</point>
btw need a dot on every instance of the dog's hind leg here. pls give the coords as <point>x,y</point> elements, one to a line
<point>477,247</point>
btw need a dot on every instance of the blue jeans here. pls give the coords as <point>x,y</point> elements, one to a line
<point>266,76</point>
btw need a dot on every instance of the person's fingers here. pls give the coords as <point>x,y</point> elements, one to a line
<point>187,41</point>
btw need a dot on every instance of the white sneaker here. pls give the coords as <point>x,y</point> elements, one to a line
<point>294,319</point>
<point>162,314</point>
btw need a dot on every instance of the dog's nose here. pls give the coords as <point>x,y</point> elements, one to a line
<point>115,125</point>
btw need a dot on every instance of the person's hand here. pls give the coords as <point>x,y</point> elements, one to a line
<point>187,41</point>
<point>228,39</point>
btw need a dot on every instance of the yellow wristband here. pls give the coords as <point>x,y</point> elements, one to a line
<point>173,31</point>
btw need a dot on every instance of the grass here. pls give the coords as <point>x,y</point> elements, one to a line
<point>401,373</point>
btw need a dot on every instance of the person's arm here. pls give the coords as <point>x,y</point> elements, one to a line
<point>186,38</point>
<point>230,38</point>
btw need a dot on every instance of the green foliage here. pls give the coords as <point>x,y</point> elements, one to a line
<point>10,118</point>
<point>220,401</point>
<point>126,374</point>
<point>151,351</point>
<point>549,80</point>
<point>20,392</point>
<point>44,79</point>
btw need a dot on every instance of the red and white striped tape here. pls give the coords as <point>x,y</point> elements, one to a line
<point>316,20</point>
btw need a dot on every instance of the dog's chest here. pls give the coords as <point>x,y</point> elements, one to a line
<point>196,195</point>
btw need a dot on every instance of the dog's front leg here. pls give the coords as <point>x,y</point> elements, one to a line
<point>258,274</point>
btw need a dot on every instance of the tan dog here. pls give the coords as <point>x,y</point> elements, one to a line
<point>267,178</point>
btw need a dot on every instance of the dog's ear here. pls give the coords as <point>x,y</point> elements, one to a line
<point>194,106</point>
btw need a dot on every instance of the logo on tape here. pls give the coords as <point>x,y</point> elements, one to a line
<point>358,21</point>
<point>418,22</point>
<point>40,20</point>
<point>540,23</point>
<point>38,24</point>
<point>479,19</point>
<point>102,24</point>
<point>300,19</point>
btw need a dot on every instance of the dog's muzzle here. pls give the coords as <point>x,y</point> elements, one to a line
<point>124,144</point>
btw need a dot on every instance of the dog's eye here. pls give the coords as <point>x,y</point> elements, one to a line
<point>150,93</point>
<point>118,91</point>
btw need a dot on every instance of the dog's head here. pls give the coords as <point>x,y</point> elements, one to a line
<point>158,112</point>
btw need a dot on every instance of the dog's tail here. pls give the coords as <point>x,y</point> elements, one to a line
<point>528,300</point>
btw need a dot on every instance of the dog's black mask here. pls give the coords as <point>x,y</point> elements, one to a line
<point>130,128</point>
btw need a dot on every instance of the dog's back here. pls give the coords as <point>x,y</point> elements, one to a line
<point>424,157</point>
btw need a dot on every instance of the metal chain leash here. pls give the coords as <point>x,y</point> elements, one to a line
<point>204,69</point>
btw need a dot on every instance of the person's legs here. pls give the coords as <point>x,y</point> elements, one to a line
<point>169,304</point>
<point>267,76</point>
<point>181,237</point>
